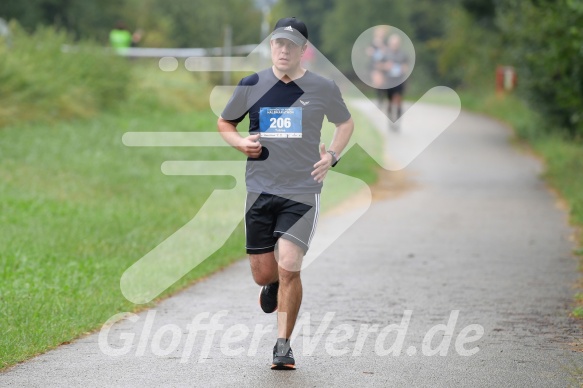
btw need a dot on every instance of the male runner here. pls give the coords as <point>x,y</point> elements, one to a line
<point>286,166</point>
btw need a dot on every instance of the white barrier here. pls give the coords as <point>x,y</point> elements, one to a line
<point>143,52</point>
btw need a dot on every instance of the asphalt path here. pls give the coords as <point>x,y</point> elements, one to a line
<point>460,273</point>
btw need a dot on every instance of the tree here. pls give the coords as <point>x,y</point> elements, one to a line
<point>311,12</point>
<point>183,23</point>
<point>429,21</point>
<point>348,19</point>
<point>468,52</point>
<point>200,23</point>
<point>546,45</point>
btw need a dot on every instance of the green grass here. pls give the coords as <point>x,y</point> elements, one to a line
<point>578,312</point>
<point>77,208</point>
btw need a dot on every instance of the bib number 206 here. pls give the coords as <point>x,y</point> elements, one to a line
<point>280,122</point>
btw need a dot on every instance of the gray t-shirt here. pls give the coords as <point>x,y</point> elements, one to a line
<point>400,60</point>
<point>289,118</point>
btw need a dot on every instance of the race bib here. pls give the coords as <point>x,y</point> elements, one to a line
<point>281,122</point>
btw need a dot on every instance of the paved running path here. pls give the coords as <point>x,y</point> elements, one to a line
<point>477,234</point>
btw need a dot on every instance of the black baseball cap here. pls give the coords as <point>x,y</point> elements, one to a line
<point>292,29</point>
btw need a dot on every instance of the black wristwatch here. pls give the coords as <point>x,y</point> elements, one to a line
<point>334,157</point>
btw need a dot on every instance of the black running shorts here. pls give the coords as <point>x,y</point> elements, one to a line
<point>399,89</point>
<point>269,217</point>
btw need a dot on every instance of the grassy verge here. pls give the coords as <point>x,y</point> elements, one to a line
<point>77,208</point>
<point>563,157</point>
<point>39,82</point>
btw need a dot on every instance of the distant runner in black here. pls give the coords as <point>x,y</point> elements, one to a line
<point>396,65</point>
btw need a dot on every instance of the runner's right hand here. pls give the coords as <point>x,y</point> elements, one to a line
<point>250,146</point>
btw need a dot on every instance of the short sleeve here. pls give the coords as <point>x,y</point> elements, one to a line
<point>236,109</point>
<point>336,110</point>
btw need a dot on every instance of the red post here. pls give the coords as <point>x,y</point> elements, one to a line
<point>506,79</point>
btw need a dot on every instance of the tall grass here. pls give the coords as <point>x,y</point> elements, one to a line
<point>39,82</point>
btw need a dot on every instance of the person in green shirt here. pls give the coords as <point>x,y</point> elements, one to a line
<point>120,38</point>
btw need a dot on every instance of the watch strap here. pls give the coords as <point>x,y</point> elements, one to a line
<point>334,157</point>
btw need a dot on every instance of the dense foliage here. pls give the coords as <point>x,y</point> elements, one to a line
<point>458,43</point>
<point>40,82</point>
<point>176,23</point>
<point>545,40</point>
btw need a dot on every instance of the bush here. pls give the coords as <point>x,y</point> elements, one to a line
<point>546,39</point>
<point>468,52</point>
<point>40,82</point>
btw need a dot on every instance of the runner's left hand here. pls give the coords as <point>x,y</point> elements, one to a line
<point>321,168</point>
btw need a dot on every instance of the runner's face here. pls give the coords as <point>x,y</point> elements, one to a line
<point>285,54</point>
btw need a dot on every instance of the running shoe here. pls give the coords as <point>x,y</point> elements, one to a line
<point>283,357</point>
<point>268,297</point>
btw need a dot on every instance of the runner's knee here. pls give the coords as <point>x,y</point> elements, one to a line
<point>263,268</point>
<point>288,276</point>
<point>289,256</point>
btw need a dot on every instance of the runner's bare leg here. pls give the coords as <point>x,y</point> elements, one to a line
<point>264,268</point>
<point>289,297</point>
